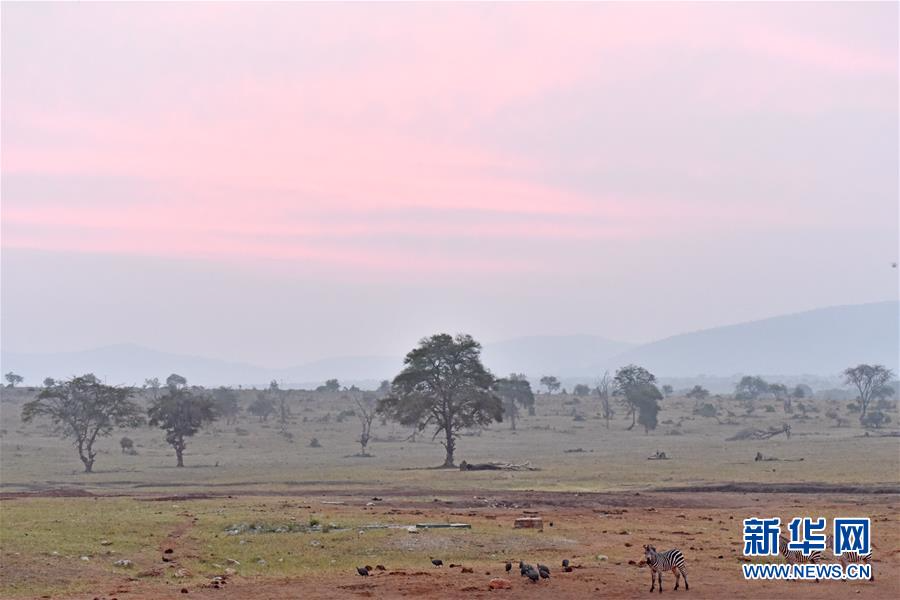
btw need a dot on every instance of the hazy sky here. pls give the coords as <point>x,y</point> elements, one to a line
<point>278,183</point>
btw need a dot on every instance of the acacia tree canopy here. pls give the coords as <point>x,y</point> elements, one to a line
<point>870,381</point>
<point>631,377</point>
<point>514,391</point>
<point>181,413</point>
<point>443,385</point>
<point>83,409</point>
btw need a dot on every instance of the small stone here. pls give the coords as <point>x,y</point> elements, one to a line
<point>499,583</point>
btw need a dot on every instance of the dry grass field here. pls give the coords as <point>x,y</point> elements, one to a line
<point>280,519</point>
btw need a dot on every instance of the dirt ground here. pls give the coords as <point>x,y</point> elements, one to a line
<point>602,534</point>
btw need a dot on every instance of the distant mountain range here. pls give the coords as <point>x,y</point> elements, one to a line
<point>817,342</point>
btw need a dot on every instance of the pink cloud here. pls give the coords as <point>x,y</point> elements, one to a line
<point>389,137</point>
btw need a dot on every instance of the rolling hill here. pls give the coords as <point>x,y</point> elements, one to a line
<point>816,342</point>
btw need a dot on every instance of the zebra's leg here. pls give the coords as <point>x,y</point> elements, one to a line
<point>660,582</point>
<point>677,577</point>
<point>684,574</point>
<point>652,580</point>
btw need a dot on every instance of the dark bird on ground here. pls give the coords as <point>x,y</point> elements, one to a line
<point>532,575</point>
<point>437,562</point>
<point>364,572</point>
<point>565,562</point>
<point>543,568</point>
<point>523,570</point>
<point>508,567</point>
<point>545,574</point>
<point>568,569</point>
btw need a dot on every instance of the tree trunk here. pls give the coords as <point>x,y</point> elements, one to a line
<point>450,446</point>
<point>87,459</point>
<point>179,446</point>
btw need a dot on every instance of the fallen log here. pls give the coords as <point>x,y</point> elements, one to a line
<point>496,466</point>
<point>760,434</point>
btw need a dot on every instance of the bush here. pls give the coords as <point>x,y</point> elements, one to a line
<point>706,410</point>
<point>874,420</point>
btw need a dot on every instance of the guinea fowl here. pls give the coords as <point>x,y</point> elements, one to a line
<point>533,575</point>
<point>437,562</point>
<point>565,562</point>
<point>362,571</point>
<point>544,574</point>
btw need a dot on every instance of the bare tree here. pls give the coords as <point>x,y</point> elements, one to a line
<point>603,390</point>
<point>365,411</point>
<point>153,385</point>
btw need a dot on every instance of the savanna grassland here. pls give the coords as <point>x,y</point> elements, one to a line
<point>276,518</point>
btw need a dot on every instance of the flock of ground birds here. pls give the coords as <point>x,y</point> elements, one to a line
<point>533,573</point>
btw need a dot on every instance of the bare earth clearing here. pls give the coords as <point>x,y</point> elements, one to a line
<point>705,525</point>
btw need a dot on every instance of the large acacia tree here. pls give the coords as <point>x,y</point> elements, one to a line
<point>445,386</point>
<point>181,412</point>
<point>84,409</point>
<point>870,381</point>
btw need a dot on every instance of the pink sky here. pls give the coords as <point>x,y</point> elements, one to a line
<point>451,142</point>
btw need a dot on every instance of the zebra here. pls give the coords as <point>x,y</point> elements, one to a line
<point>670,560</point>
<point>850,557</point>
<point>796,557</point>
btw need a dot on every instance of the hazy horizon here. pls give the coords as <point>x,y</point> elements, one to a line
<point>277,184</point>
<point>175,351</point>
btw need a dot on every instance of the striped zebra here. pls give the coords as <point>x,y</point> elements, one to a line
<point>796,557</point>
<point>851,557</point>
<point>670,560</point>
